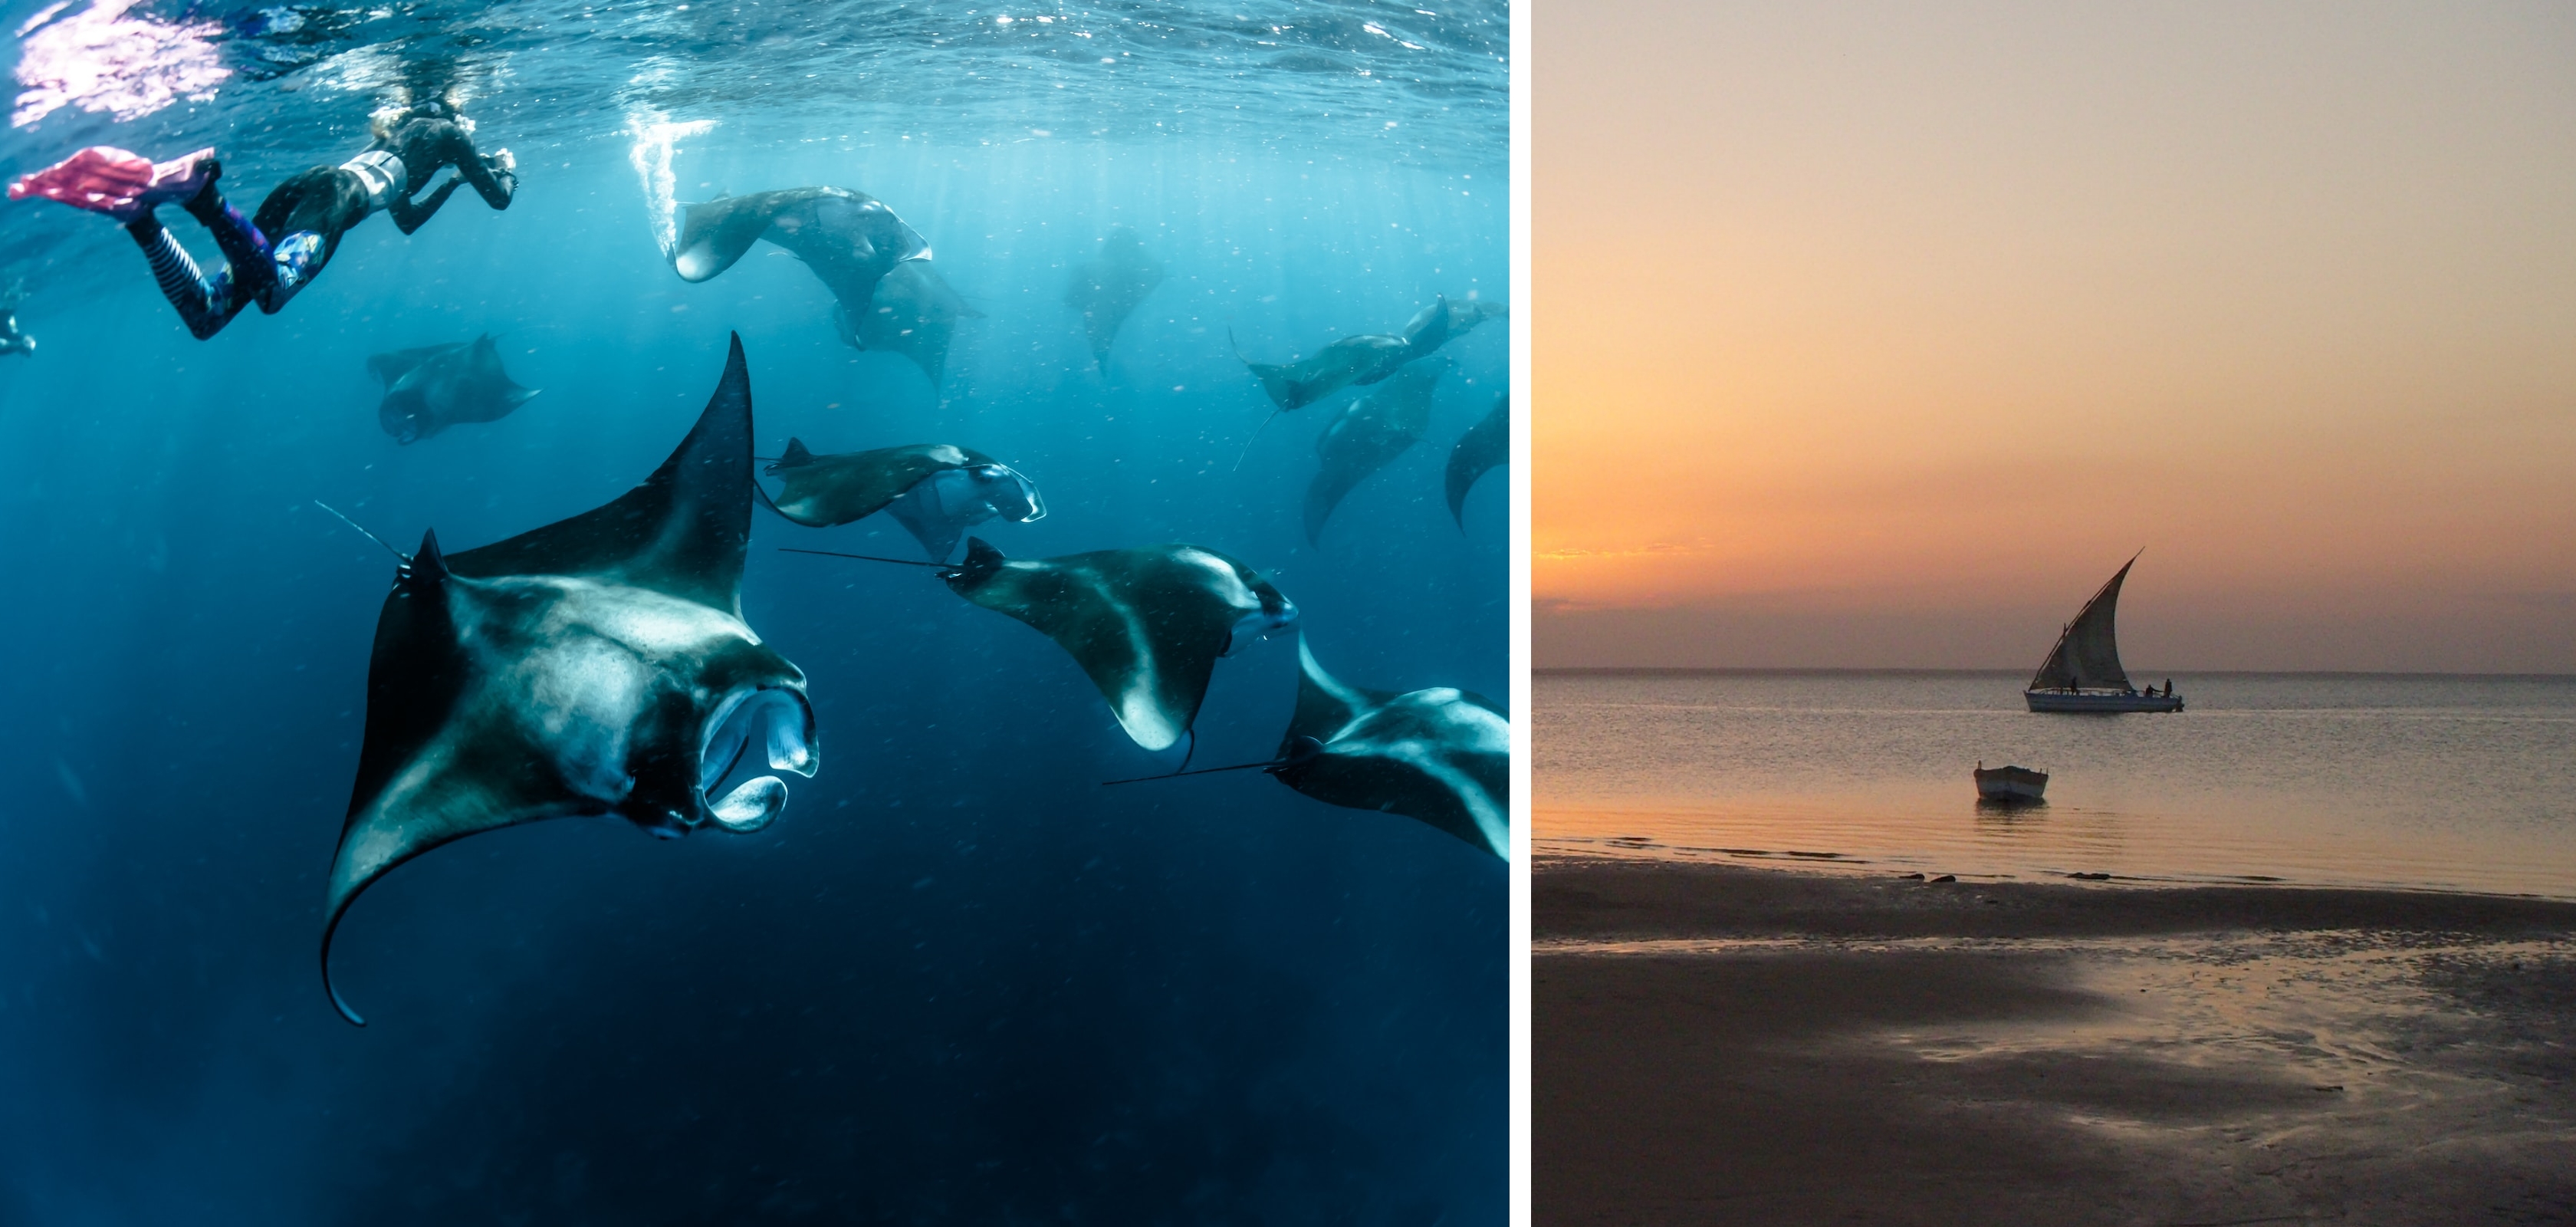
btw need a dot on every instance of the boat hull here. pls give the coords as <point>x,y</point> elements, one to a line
<point>2099,702</point>
<point>2011,785</point>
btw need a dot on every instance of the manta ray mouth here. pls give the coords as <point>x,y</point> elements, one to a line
<point>781,721</point>
<point>1032,507</point>
<point>1260,624</point>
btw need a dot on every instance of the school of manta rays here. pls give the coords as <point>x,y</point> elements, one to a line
<point>601,664</point>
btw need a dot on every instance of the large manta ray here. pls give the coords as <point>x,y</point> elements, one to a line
<point>1484,447</point>
<point>914,314</point>
<point>1147,624</point>
<point>1367,435</point>
<point>936,490</point>
<point>434,387</point>
<point>1441,756</point>
<point>1107,287</point>
<point>597,665</point>
<point>850,240</point>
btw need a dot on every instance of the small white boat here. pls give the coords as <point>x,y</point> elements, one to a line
<point>2083,673</point>
<point>2010,785</point>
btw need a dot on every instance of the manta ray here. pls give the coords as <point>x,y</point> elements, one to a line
<point>598,665</point>
<point>1441,756</point>
<point>1485,446</point>
<point>1362,359</point>
<point>914,313</point>
<point>1147,624</point>
<point>1107,287</point>
<point>850,239</point>
<point>1367,435</point>
<point>434,387</point>
<point>1357,361</point>
<point>936,490</point>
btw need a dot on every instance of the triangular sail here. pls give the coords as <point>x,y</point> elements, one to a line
<point>2087,655</point>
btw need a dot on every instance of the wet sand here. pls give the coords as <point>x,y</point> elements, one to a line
<point>1725,1045</point>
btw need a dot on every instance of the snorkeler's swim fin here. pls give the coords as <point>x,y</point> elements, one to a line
<point>118,183</point>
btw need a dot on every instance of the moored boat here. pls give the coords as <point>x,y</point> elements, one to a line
<point>2083,673</point>
<point>2010,785</point>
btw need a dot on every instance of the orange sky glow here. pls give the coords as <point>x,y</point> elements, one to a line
<point>1879,336</point>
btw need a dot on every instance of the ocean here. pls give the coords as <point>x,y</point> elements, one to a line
<point>957,980</point>
<point>2461,783</point>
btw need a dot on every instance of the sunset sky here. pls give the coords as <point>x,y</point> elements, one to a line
<point>1880,335</point>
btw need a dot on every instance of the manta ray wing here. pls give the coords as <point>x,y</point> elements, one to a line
<point>1367,435</point>
<point>681,532</point>
<point>389,368</point>
<point>912,312</point>
<point>715,233</point>
<point>483,392</point>
<point>1485,446</point>
<point>1324,492</point>
<point>1325,704</point>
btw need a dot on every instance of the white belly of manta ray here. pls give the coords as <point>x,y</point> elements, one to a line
<point>608,652</point>
<point>1139,706</point>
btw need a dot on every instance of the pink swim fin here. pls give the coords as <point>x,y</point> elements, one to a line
<point>122,185</point>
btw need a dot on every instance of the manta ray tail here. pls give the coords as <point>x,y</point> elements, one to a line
<point>1274,379</point>
<point>1300,750</point>
<point>761,492</point>
<point>1256,437</point>
<point>363,529</point>
<point>905,562</point>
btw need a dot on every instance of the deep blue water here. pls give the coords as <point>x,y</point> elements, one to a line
<point>956,981</point>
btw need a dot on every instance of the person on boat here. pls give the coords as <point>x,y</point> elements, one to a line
<point>270,257</point>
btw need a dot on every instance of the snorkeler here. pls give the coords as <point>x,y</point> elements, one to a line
<point>310,211</point>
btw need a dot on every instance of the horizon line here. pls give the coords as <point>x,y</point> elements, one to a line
<point>1846,670</point>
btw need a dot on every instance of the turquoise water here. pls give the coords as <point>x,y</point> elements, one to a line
<point>956,980</point>
<point>2423,782</point>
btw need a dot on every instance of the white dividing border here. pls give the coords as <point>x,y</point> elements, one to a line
<point>1522,311</point>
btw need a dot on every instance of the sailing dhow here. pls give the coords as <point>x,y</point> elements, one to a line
<point>2083,673</point>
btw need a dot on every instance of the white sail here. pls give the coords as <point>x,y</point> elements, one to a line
<point>2087,656</point>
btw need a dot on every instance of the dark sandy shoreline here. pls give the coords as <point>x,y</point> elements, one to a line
<point>1717,1044</point>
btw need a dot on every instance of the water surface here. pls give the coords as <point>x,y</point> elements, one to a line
<point>2440,782</point>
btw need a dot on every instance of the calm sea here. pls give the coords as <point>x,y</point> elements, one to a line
<point>2410,781</point>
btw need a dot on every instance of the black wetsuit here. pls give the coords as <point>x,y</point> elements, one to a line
<point>428,145</point>
<point>307,214</point>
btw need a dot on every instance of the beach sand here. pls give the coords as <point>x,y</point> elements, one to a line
<point>1717,1044</point>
